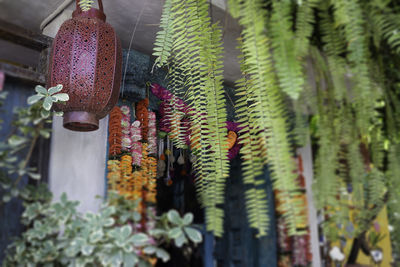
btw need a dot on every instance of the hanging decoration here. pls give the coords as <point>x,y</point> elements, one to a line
<point>86,59</point>
<point>142,115</point>
<point>115,132</point>
<point>132,167</point>
<point>136,136</point>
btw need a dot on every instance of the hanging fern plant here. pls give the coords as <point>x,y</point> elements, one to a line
<point>331,62</point>
<point>195,72</point>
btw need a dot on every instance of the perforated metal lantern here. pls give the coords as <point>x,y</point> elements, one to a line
<point>87,60</point>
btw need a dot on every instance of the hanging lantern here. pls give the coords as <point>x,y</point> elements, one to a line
<point>86,59</point>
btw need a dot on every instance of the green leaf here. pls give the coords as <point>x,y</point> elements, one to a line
<point>180,240</point>
<point>59,113</point>
<point>47,103</point>
<point>35,176</point>
<point>162,254</point>
<point>61,97</point>
<point>193,234</point>
<point>109,222</point>
<point>45,133</point>
<point>34,99</point>
<point>87,250</point>
<point>116,259</point>
<point>126,230</point>
<point>130,259</point>
<point>6,198</point>
<point>16,140</point>
<point>96,236</point>
<point>188,218</point>
<point>173,216</point>
<point>44,113</point>
<point>55,89</point>
<point>14,192</point>
<point>149,250</point>
<point>175,232</point>
<point>140,239</point>
<point>41,90</point>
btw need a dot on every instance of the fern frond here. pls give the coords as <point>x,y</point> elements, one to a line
<point>348,14</point>
<point>268,107</point>
<point>287,64</point>
<point>393,177</point>
<point>327,184</point>
<point>334,47</point>
<point>163,42</point>
<point>253,154</point>
<point>305,20</point>
<point>85,5</point>
<point>192,47</point>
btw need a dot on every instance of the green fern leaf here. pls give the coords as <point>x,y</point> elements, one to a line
<point>287,64</point>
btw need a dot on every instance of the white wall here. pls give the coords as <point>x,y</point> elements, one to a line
<point>77,164</point>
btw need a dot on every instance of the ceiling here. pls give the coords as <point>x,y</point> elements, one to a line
<point>123,16</point>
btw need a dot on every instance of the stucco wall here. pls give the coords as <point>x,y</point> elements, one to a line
<point>77,164</point>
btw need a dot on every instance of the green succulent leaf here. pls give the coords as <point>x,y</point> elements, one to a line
<point>188,219</point>
<point>140,239</point>
<point>174,217</point>
<point>41,90</point>
<point>193,234</point>
<point>34,99</point>
<point>61,97</point>
<point>55,89</point>
<point>48,103</point>
<point>162,254</point>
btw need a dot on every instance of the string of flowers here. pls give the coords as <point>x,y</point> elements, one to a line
<point>152,134</point>
<point>126,175</point>
<point>114,174</point>
<point>134,175</point>
<point>142,115</point>
<point>137,178</point>
<point>126,142</point>
<point>115,132</point>
<point>136,150</point>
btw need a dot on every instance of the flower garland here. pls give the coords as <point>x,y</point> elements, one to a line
<point>126,141</point>
<point>149,171</point>
<point>152,134</point>
<point>126,175</point>
<point>136,150</point>
<point>114,174</point>
<point>142,116</point>
<point>115,132</point>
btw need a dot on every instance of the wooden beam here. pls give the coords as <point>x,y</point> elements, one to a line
<point>23,73</point>
<point>21,36</point>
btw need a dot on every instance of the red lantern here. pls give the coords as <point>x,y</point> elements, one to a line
<point>86,59</point>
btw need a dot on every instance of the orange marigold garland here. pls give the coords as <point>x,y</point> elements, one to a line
<point>142,115</point>
<point>115,132</point>
<point>126,175</point>
<point>114,174</point>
